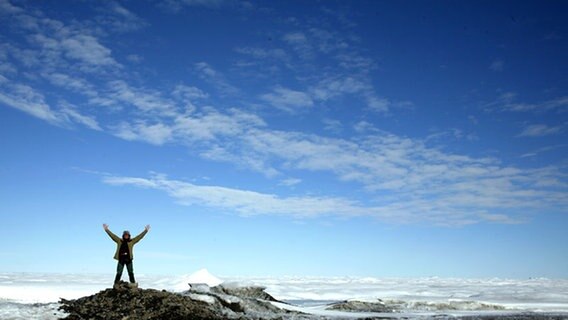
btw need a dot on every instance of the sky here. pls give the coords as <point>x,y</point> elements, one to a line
<point>313,138</point>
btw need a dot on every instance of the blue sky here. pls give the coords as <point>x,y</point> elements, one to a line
<point>368,138</point>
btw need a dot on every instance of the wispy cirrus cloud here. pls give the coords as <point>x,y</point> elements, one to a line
<point>62,54</point>
<point>539,130</point>
<point>24,98</point>
<point>405,179</point>
<point>287,99</point>
<point>145,100</point>
<point>252,203</point>
<point>176,6</point>
<point>299,42</point>
<point>156,133</point>
<point>300,50</point>
<point>86,49</point>
<point>71,114</point>
<point>244,202</point>
<point>497,65</point>
<point>215,78</point>
<point>332,125</point>
<point>263,53</point>
<point>119,18</point>
<point>543,149</point>
<point>507,101</point>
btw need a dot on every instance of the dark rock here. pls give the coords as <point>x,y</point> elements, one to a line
<point>126,302</point>
<point>252,292</point>
<point>361,306</point>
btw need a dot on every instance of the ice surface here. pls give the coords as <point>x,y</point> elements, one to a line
<point>28,296</point>
<point>531,294</point>
<point>17,311</point>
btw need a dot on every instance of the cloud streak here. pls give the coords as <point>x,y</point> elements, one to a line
<point>407,181</point>
<point>287,99</point>
<point>251,203</point>
<point>539,130</point>
<point>508,102</point>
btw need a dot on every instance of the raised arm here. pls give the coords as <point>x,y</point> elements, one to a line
<point>141,235</point>
<point>113,236</point>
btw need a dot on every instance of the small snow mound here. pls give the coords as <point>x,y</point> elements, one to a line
<point>199,277</point>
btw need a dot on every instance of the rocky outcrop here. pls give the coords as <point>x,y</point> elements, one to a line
<point>252,292</point>
<point>127,302</point>
<point>361,306</point>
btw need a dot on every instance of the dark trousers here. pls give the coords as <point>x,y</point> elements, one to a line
<point>120,268</point>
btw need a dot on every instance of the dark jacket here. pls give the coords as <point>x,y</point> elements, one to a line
<point>131,243</point>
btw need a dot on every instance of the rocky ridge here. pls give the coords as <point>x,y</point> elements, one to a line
<point>201,302</point>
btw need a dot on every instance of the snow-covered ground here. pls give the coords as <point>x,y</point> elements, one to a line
<point>29,296</point>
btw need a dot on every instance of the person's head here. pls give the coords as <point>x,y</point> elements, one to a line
<point>126,235</point>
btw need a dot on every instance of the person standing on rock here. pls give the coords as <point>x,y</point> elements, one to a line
<point>124,251</point>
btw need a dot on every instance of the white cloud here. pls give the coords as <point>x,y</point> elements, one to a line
<point>332,87</point>
<point>377,104</point>
<point>87,49</point>
<point>26,99</point>
<point>539,130</point>
<point>195,129</point>
<point>543,149</point>
<point>401,172</point>
<point>261,53</point>
<point>52,45</point>
<point>135,58</point>
<point>332,125</point>
<point>295,38</point>
<point>328,41</point>
<point>354,61</point>
<point>176,6</point>
<point>364,127</point>
<point>243,202</point>
<point>452,133</point>
<point>287,99</point>
<point>189,93</point>
<point>496,65</point>
<point>251,203</point>
<point>145,100</point>
<point>329,88</point>
<point>7,8</point>
<point>507,102</point>
<point>216,78</point>
<point>119,18</point>
<point>212,125</point>
<point>74,84</point>
<point>299,42</point>
<point>347,70</point>
<point>73,115</point>
<point>154,133</point>
<point>290,182</point>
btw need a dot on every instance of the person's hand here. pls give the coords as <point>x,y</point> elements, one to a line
<point>147,227</point>
<point>105,226</point>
